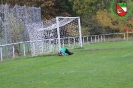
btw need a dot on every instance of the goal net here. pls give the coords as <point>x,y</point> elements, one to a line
<point>51,35</point>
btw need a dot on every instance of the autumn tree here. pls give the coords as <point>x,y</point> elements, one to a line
<point>115,24</point>
<point>95,14</point>
<point>87,9</point>
<point>109,20</point>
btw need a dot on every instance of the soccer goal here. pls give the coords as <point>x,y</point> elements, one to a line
<point>54,34</point>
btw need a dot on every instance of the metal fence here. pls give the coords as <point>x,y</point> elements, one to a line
<point>30,48</point>
<point>107,37</point>
<point>20,49</point>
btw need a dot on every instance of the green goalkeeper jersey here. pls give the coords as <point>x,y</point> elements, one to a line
<point>63,50</point>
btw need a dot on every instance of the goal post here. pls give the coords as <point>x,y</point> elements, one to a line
<point>58,32</point>
<point>52,35</point>
<point>77,24</point>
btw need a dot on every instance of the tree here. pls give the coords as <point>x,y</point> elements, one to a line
<point>108,20</point>
<point>87,10</point>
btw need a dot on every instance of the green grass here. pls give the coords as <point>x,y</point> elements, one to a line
<point>101,65</point>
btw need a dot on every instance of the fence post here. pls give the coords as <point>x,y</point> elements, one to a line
<point>83,40</point>
<point>50,46</point>
<point>87,40</point>
<point>91,39</point>
<point>13,50</point>
<point>24,49</point>
<point>104,37</point>
<point>124,37</point>
<point>34,51</point>
<point>1,54</point>
<point>101,38</point>
<point>98,38</point>
<point>95,38</point>
<point>45,46</point>
<point>74,41</point>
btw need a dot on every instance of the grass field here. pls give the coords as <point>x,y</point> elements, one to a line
<point>101,65</point>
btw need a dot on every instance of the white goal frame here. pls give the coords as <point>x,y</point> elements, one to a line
<point>48,38</point>
<point>58,31</point>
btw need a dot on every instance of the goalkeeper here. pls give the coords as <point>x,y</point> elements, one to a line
<point>63,52</point>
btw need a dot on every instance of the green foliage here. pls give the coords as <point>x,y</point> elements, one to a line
<point>107,19</point>
<point>95,14</point>
<point>87,10</point>
<point>83,7</point>
<point>85,31</point>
